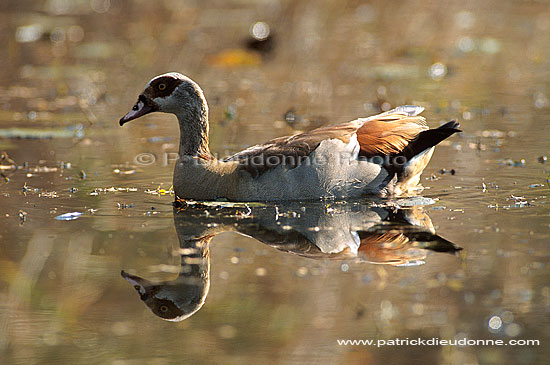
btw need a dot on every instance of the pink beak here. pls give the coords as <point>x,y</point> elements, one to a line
<point>138,110</point>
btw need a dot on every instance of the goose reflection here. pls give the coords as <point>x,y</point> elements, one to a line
<point>179,299</point>
<point>380,235</point>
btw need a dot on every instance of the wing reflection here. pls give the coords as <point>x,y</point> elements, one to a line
<point>355,232</point>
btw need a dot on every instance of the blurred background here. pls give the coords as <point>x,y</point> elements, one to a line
<point>72,68</point>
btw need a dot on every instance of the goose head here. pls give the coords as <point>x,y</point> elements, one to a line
<point>169,93</point>
<point>173,300</point>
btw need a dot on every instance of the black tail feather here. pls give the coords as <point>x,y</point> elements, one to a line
<point>424,140</point>
<point>430,138</point>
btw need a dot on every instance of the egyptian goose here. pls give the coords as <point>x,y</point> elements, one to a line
<point>380,155</point>
<point>354,232</point>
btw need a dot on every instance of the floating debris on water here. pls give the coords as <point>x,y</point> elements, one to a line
<point>48,194</point>
<point>536,185</point>
<point>96,191</point>
<point>42,169</point>
<point>512,163</point>
<point>160,191</point>
<point>7,167</point>
<point>68,216</point>
<point>124,172</point>
<point>542,159</point>
<point>27,188</point>
<point>11,165</point>
<point>125,206</point>
<point>82,174</point>
<point>22,216</point>
<point>518,202</point>
<point>444,171</point>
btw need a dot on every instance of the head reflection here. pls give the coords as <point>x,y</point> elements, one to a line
<point>380,235</point>
<point>180,298</point>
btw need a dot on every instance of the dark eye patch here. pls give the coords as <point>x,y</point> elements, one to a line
<point>170,84</point>
<point>165,308</point>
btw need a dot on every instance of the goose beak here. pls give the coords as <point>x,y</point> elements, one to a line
<point>142,107</point>
<point>138,283</point>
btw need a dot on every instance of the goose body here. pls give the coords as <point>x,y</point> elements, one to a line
<point>380,155</point>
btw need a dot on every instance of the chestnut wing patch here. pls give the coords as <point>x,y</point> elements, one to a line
<point>290,151</point>
<point>384,134</point>
<point>388,134</point>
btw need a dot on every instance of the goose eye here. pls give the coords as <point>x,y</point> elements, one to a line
<point>136,287</point>
<point>162,86</point>
<point>163,308</point>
